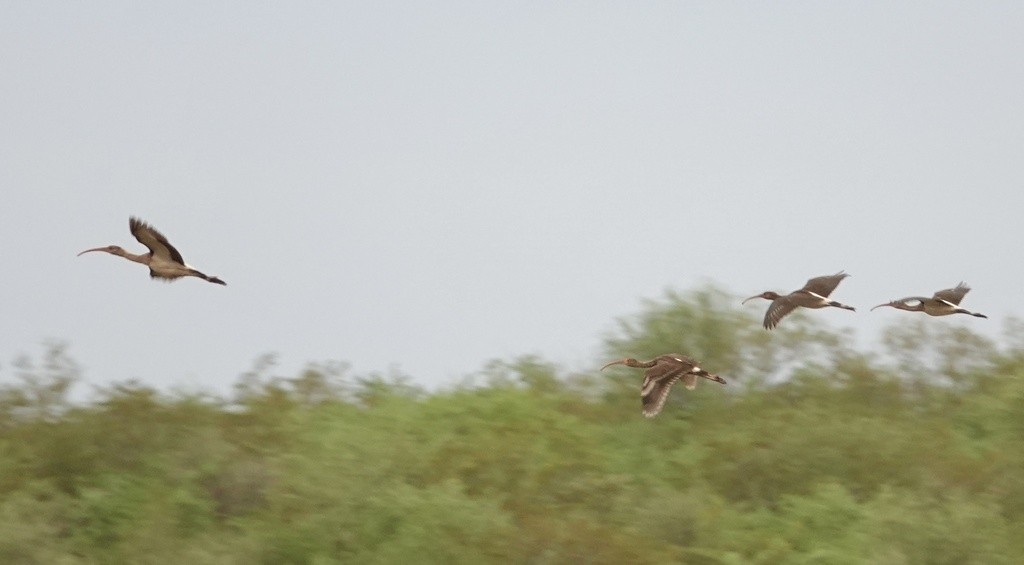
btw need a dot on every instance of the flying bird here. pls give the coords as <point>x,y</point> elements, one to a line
<point>662,372</point>
<point>163,259</point>
<point>942,303</point>
<point>814,294</point>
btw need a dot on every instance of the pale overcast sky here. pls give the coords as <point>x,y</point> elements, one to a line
<point>432,185</point>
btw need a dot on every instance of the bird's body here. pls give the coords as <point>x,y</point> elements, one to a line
<point>814,294</point>
<point>662,372</point>
<point>942,303</point>
<point>163,260</point>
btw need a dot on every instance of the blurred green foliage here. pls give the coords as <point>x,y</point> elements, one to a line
<point>816,452</point>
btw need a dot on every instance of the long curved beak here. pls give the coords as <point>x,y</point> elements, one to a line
<point>880,305</point>
<point>619,362</point>
<point>751,298</point>
<point>93,249</point>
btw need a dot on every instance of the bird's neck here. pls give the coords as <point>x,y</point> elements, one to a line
<point>137,258</point>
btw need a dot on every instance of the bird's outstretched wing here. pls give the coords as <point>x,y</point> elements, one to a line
<point>779,309</point>
<point>654,393</point>
<point>824,285</point>
<point>658,380</point>
<point>911,301</point>
<point>154,240</point>
<point>953,295</point>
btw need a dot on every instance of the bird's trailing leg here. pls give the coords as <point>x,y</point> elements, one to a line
<point>841,305</point>
<point>710,376</point>
<point>207,278</point>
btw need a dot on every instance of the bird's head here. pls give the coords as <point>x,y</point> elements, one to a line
<point>629,362</point>
<point>112,249</point>
<point>767,295</point>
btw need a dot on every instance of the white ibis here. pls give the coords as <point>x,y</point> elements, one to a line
<point>942,303</point>
<point>163,259</point>
<point>814,294</point>
<point>662,372</point>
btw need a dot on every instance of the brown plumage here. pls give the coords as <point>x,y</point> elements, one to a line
<point>163,260</point>
<point>662,372</point>
<point>942,303</point>
<point>814,294</point>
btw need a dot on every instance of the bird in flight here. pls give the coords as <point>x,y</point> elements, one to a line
<point>814,294</point>
<point>163,260</point>
<point>662,372</point>
<point>942,303</point>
